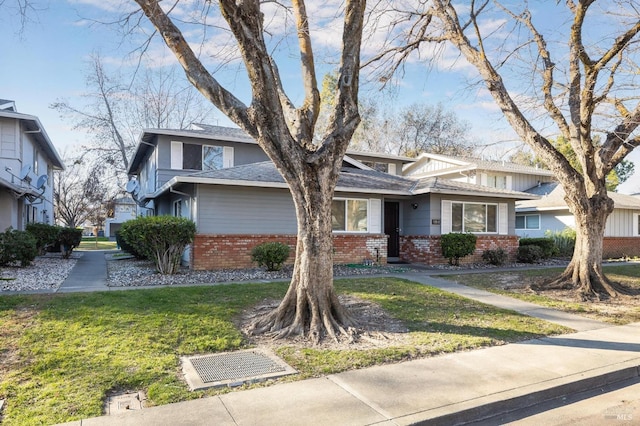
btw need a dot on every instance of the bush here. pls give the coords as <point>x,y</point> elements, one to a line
<point>46,235</point>
<point>124,245</point>
<point>455,246</point>
<point>162,239</point>
<point>69,238</point>
<point>17,246</point>
<point>564,241</point>
<point>529,254</point>
<point>547,245</point>
<point>495,257</point>
<point>272,255</point>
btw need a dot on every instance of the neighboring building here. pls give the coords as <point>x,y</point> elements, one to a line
<point>220,178</point>
<point>124,209</point>
<point>27,161</point>
<point>494,174</point>
<point>551,213</point>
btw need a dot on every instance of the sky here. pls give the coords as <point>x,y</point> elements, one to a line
<point>47,62</point>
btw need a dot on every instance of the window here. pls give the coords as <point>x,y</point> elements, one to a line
<point>177,208</point>
<point>474,217</point>
<point>529,221</point>
<point>381,167</point>
<point>189,156</point>
<point>211,157</point>
<point>636,225</point>
<point>349,215</point>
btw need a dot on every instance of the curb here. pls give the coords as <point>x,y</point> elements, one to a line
<point>511,400</point>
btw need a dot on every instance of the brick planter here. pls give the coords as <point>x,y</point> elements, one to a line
<point>210,252</point>
<point>426,249</point>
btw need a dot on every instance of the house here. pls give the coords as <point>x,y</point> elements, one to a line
<point>551,213</point>
<point>27,161</point>
<point>121,210</point>
<point>221,179</point>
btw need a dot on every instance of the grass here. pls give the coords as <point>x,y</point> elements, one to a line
<point>615,312</point>
<point>101,243</point>
<point>62,354</point>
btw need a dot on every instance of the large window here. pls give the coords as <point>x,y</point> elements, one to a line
<point>349,215</point>
<point>528,221</point>
<point>474,217</point>
<point>189,156</point>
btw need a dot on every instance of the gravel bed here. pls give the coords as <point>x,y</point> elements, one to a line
<point>46,272</point>
<point>127,272</point>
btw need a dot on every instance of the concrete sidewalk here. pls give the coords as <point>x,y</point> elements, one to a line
<point>448,389</point>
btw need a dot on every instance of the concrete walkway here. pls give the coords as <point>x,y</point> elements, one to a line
<point>442,390</point>
<point>88,274</point>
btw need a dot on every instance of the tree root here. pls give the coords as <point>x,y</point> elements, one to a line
<point>591,286</point>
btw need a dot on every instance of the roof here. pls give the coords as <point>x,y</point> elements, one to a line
<point>265,174</point>
<point>465,163</point>
<point>554,200</point>
<point>20,190</point>
<point>32,125</point>
<point>148,140</point>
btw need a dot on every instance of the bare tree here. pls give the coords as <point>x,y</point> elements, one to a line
<point>584,89</point>
<point>77,193</point>
<point>117,112</point>
<point>286,133</point>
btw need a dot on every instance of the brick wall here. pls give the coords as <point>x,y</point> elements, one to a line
<point>234,251</point>
<point>426,249</point>
<point>616,247</point>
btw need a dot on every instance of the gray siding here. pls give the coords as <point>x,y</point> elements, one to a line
<point>239,210</point>
<point>419,221</point>
<point>619,223</point>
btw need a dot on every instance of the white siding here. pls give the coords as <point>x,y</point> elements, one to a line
<point>621,223</point>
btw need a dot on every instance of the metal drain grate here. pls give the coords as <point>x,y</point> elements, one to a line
<point>233,369</point>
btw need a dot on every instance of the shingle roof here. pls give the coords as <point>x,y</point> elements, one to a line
<point>351,179</point>
<point>554,200</point>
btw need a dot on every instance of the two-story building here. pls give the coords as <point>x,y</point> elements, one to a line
<point>27,161</point>
<point>220,178</point>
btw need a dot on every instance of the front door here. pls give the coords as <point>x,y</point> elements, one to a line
<point>392,227</point>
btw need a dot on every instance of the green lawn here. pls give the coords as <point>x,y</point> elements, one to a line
<point>60,355</point>
<point>515,284</point>
<point>102,243</point>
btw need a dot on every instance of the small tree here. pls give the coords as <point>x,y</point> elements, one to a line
<point>69,238</point>
<point>160,238</point>
<point>456,245</point>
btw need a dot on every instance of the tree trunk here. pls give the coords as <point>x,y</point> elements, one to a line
<point>584,272</point>
<point>311,307</point>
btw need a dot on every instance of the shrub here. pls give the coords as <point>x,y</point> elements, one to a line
<point>17,246</point>
<point>547,245</point>
<point>124,245</point>
<point>162,239</point>
<point>455,246</point>
<point>69,238</point>
<point>272,255</point>
<point>46,235</point>
<point>565,241</point>
<point>495,257</point>
<point>529,254</point>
